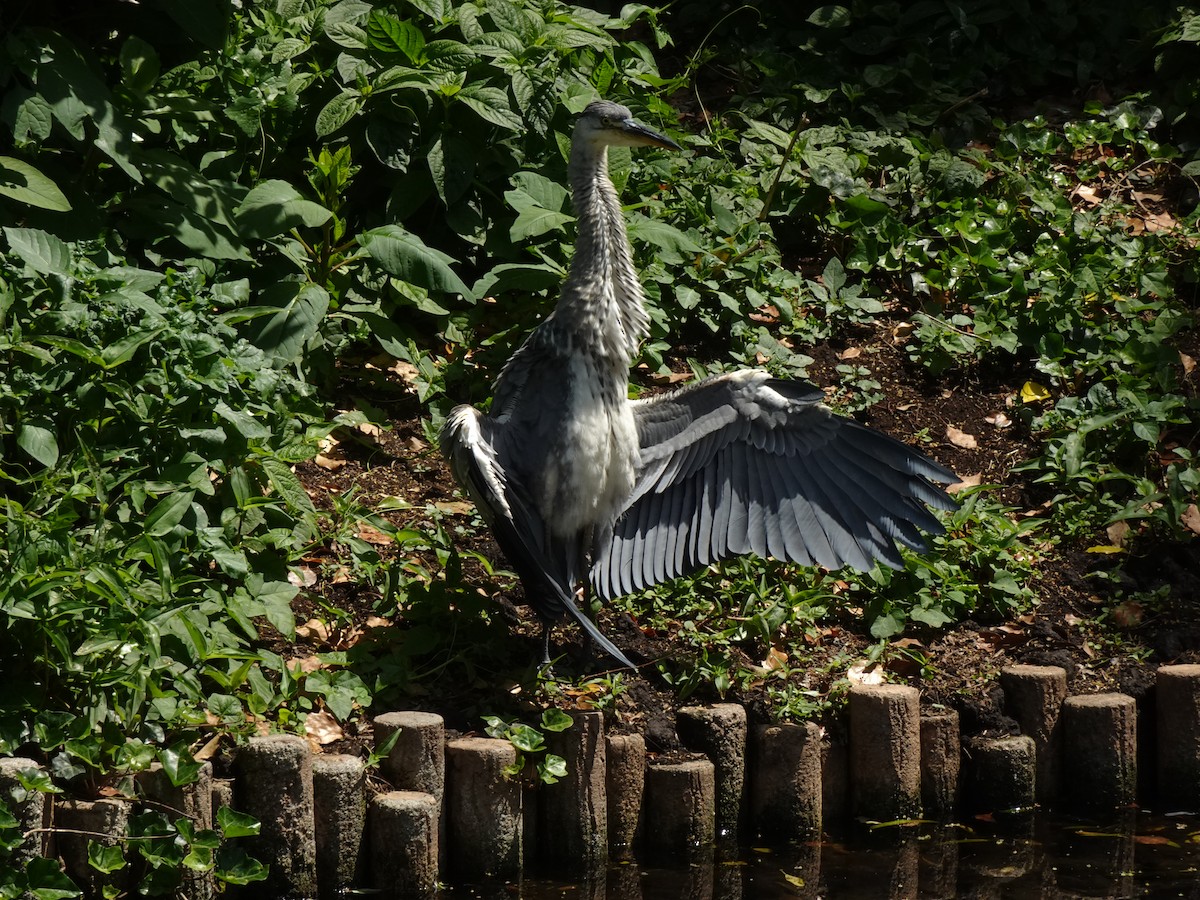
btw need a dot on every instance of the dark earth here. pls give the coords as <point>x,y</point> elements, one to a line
<point>1080,622</point>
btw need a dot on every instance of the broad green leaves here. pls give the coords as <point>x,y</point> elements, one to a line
<point>406,256</point>
<point>25,184</point>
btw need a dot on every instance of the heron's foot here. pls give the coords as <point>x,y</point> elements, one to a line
<point>544,665</point>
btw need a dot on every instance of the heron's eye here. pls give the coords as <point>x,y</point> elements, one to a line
<point>606,121</point>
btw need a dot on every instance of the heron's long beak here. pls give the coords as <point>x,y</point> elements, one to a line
<point>641,134</point>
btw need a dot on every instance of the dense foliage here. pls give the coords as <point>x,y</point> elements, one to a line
<point>212,212</point>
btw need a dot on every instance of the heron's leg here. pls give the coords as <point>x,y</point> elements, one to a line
<point>546,628</point>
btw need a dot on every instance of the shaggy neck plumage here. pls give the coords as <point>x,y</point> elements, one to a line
<point>602,302</point>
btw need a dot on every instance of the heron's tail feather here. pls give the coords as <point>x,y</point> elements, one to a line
<point>589,626</point>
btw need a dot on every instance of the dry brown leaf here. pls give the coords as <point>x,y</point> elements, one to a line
<point>998,420</point>
<point>902,332</point>
<point>455,507</point>
<point>330,463</point>
<point>313,630</point>
<point>776,659</point>
<point>967,481</point>
<point>1117,533</point>
<point>1128,614</point>
<point>209,750</point>
<point>302,576</point>
<point>323,727</point>
<point>341,575</point>
<point>1191,518</point>
<point>1187,362</point>
<point>1087,194</point>
<point>1160,222</point>
<point>378,622</point>
<point>864,672</point>
<point>373,535</point>
<point>305,664</point>
<point>960,438</point>
<point>669,377</point>
<point>850,353</point>
<point>370,429</point>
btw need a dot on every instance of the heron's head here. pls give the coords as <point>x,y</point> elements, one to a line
<point>606,124</point>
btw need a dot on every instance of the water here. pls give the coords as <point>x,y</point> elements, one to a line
<point>1136,855</point>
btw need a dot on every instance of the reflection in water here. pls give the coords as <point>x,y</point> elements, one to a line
<point>1039,856</point>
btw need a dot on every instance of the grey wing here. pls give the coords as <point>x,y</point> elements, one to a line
<point>474,446</point>
<point>745,463</point>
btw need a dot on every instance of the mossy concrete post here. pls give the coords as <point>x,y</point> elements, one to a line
<point>403,829</point>
<point>939,863</point>
<point>417,760</point>
<point>1100,749</point>
<point>573,813</point>
<point>1002,773</point>
<point>624,784</point>
<point>31,811</point>
<point>1034,696</point>
<point>275,785</point>
<point>340,808</point>
<point>192,801</point>
<point>222,795</point>
<point>785,781</point>
<point>624,881</point>
<point>680,809</point>
<point>885,751</point>
<point>1178,703</point>
<point>106,817</point>
<point>941,756</point>
<point>483,810</point>
<point>719,732</point>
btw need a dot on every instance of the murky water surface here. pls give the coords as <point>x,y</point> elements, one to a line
<point>1137,855</point>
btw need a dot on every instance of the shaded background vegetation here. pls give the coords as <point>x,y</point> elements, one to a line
<point>215,213</point>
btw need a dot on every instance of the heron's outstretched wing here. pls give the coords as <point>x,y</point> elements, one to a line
<point>473,444</point>
<point>745,463</point>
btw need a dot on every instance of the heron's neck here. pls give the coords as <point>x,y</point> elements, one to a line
<point>602,301</point>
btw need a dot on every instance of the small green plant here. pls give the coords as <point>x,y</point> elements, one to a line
<point>530,744</point>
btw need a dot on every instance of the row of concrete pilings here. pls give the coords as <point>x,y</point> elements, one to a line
<point>453,814</point>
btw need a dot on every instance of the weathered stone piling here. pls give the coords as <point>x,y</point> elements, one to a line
<point>681,803</point>
<point>719,732</point>
<point>29,808</point>
<point>403,826</point>
<point>192,801</point>
<point>275,786</point>
<point>1179,737</point>
<point>1002,773</point>
<point>340,808</point>
<point>483,810</point>
<point>941,754</point>
<point>885,751</point>
<point>79,823</point>
<point>416,761</point>
<point>1100,740</point>
<point>785,781</point>
<point>1034,696</point>
<point>624,782</point>
<point>573,813</point>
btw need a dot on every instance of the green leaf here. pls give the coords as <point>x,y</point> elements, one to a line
<point>289,326</point>
<point>234,824</point>
<point>25,184</point>
<point>662,235</point>
<point>556,720</point>
<point>42,252</point>
<point>830,17</point>
<point>168,513</point>
<point>274,207</point>
<point>179,765</point>
<point>225,707</point>
<point>105,858</point>
<point>533,221</point>
<point>288,486</point>
<point>345,24</point>
<point>235,867</point>
<point>277,597</point>
<point>40,442</point>
<point>388,33</point>
<point>139,65</point>
<point>337,112</point>
<point>491,105</point>
<point>552,768</point>
<point>47,882</point>
<point>34,117</point>
<point>526,739</point>
<point>404,255</point>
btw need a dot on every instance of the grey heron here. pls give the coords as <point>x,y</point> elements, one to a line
<point>583,486</point>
